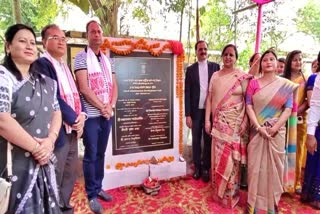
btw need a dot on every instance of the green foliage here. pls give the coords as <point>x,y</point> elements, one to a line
<point>308,19</point>
<point>84,5</point>
<point>35,13</point>
<point>140,13</point>
<point>216,22</point>
<point>176,5</point>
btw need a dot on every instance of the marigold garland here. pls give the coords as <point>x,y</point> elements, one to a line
<point>127,46</point>
<point>179,91</point>
<point>121,166</point>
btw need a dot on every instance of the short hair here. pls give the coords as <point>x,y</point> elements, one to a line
<point>46,28</point>
<point>283,60</point>
<point>232,46</point>
<point>92,21</point>
<point>198,42</point>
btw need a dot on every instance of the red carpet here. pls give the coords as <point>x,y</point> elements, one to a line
<point>176,196</point>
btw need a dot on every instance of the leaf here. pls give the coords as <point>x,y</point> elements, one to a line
<point>84,5</point>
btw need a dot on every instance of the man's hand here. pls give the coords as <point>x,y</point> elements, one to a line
<point>106,111</point>
<point>207,126</point>
<point>311,144</point>
<point>79,123</point>
<point>79,133</point>
<point>189,122</point>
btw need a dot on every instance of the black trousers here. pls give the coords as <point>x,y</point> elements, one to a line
<point>66,170</point>
<point>198,129</point>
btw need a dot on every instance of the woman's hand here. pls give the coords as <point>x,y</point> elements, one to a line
<point>44,151</point>
<point>207,127</point>
<point>264,133</point>
<point>311,144</point>
<point>272,131</point>
<point>41,155</point>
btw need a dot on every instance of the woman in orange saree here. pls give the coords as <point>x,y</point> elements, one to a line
<point>225,103</point>
<point>293,72</point>
<point>269,102</point>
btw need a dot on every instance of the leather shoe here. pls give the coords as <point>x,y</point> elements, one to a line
<point>67,210</point>
<point>205,176</point>
<point>196,175</point>
<point>95,206</point>
<point>104,196</point>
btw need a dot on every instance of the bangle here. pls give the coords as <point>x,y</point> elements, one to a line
<point>35,148</point>
<point>55,133</point>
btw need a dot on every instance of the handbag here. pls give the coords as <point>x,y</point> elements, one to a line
<point>5,184</point>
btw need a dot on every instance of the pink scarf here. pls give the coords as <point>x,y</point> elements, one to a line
<point>100,77</point>
<point>68,91</point>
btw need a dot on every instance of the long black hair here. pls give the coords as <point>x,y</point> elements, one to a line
<point>7,61</point>
<point>287,68</point>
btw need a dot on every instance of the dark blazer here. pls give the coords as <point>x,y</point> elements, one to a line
<point>192,87</point>
<point>69,116</point>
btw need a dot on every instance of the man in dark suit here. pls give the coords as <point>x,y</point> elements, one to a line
<point>73,111</point>
<point>196,87</point>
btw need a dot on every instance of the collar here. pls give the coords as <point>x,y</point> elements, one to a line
<point>86,48</point>
<point>203,62</point>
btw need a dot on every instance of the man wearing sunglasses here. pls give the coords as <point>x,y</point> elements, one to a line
<point>197,79</point>
<point>52,65</point>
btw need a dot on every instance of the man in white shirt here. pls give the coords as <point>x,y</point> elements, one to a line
<point>197,79</point>
<point>311,184</point>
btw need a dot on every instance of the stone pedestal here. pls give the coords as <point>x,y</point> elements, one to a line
<point>136,175</point>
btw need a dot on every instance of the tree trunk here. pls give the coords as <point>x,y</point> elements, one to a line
<point>181,18</point>
<point>197,22</point>
<point>16,11</point>
<point>108,15</point>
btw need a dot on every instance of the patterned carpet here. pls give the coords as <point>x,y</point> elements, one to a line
<point>177,196</point>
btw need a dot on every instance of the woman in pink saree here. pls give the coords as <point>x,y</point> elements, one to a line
<point>225,103</point>
<point>269,102</point>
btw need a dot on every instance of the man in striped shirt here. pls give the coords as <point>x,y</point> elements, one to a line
<point>97,84</point>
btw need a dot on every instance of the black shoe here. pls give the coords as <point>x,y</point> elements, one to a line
<point>104,196</point>
<point>205,176</point>
<point>95,206</point>
<point>67,210</point>
<point>243,186</point>
<point>196,175</point>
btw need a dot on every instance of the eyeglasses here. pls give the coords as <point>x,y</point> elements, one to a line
<point>57,38</point>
